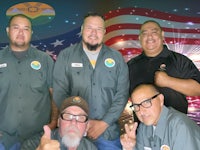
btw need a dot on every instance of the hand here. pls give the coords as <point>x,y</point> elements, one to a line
<point>161,79</point>
<point>46,143</point>
<point>128,139</point>
<point>96,128</point>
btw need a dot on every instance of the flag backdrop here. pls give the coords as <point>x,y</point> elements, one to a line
<point>182,34</point>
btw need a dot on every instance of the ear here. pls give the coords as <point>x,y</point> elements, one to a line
<point>58,122</point>
<point>163,38</point>
<point>81,29</point>
<point>7,30</point>
<point>161,97</point>
<point>163,33</point>
<point>105,31</point>
<point>87,126</point>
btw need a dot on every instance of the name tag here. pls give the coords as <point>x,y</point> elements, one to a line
<point>3,65</point>
<point>147,148</point>
<point>77,65</point>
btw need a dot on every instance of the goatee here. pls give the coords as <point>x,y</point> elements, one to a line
<point>92,47</point>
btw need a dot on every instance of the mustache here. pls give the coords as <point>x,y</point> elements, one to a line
<point>71,128</point>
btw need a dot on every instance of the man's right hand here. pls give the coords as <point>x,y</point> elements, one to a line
<point>128,139</point>
<point>46,143</point>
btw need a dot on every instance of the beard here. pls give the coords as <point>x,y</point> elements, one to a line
<point>71,139</point>
<point>91,47</point>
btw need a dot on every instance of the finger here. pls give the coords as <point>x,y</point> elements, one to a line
<point>131,129</point>
<point>47,131</point>
<point>135,125</point>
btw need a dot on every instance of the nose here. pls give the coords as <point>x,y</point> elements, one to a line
<point>73,121</point>
<point>142,110</point>
<point>20,30</point>
<point>149,35</point>
<point>94,31</point>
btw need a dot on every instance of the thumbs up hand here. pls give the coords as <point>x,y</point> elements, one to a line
<point>46,143</point>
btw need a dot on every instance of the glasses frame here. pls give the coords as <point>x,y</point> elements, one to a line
<point>73,117</point>
<point>142,103</point>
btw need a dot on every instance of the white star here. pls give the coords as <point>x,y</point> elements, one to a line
<point>34,46</point>
<point>4,47</point>
<point>50,52</point>
<point>71,44</point>
<point>57,42</point>
<point>79,34</point>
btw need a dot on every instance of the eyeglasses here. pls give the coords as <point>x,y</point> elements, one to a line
<point>146,104</point>
<point>70,117</point>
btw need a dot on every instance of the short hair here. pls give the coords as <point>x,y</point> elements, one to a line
<point>153,21</point>
<point>150,85</point>
<point>94,14</point>
<point>19,15</point>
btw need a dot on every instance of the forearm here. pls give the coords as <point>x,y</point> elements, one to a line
<point>54,113</point>
<point>188,87</point>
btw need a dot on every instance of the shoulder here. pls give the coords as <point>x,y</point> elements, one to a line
<point>41,56</point>
<point>180,120</point>
<point>178,56</point>
<point>35,51</point>
<point>3,52</point>
<point>135,60</point>
<point>112,51</point>
<point>65,53</point>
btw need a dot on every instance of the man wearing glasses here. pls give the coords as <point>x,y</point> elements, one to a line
<point>72,125</point>
<point>161,127</point>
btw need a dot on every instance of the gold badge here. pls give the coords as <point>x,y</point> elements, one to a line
<point>164,147</point>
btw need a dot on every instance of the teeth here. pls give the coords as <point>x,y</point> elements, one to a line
<point>93,38</point>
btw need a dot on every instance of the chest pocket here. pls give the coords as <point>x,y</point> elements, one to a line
<point>38,80</point>
<point>4,77</point>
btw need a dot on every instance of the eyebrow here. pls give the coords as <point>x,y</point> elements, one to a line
<point>147,99</point>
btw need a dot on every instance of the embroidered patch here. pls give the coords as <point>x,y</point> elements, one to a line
<point>35,65</point>
<point>164,147</point>
<point>76,100</point>
<point>109,62</point>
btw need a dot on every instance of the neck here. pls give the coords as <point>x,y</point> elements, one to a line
<point>19,48</point>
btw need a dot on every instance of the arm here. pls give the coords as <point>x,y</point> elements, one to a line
<point>187,87</point>
<point>60,80</point>
<point>54,112</point>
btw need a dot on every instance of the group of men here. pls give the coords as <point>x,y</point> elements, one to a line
<point>76,102</point>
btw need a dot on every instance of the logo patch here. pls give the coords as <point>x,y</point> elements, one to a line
<point>35,65</point>
<point>164,147</point>
<point>76,100</point>
<point>109,62</point>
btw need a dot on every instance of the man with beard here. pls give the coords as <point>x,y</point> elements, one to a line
<point>99,74</point>
<point>72,125</point>
<point>26,76</point>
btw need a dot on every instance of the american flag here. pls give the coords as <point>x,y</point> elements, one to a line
<point>182,34</point>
